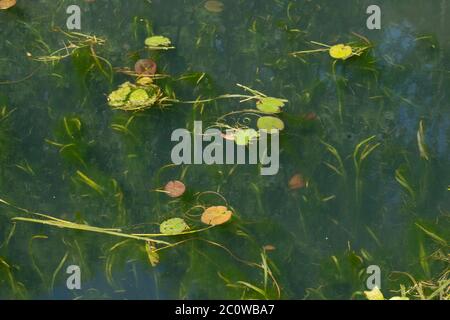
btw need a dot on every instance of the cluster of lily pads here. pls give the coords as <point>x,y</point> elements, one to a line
<point>266,109</point>
<point>144,93</point>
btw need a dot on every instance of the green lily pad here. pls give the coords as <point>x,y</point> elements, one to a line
<point>119,97</point>
<point>270,105</point>
<point>173,226</point>
<point>139,96</point>
<point>158,42</point>
<point>243,137</point>
<point>132,97</point>
<point>270,123</point>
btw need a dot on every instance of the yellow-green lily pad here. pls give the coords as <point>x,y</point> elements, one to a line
<point>270,123</point>
<point>173,226</point>
<point>139,96</point>
<point>374,294</point>
<point>243,137</point>
<point>341,51</point>
<point>270,105</point>
<point>118,97</point>
<point>156,42</point>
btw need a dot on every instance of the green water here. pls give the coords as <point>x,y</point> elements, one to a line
<point>391,209</point>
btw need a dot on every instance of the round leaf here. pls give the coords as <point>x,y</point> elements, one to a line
<point>341,51</point>
<point>145,67</point>
<point>243,137</point>
<point>175,189</point>
<point>214,6</point>
<point>270,105</point>
<point>157,41</point>
<point>216,215</point>
<point>374,294</point>
<point>173,226</point>
<point>297,182</point>
<point>270,123</point>
<point>139,96</point>
<point>6,4</point>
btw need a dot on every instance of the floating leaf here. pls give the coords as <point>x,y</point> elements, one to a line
<point>374,294</point>
<point>399,298</point>
<point>175,188</point>
<point>152,255</point>
<point>270,123</point>
<point>243,137</point>
<point>341,51</point>
<point>144,81</point>
<point>297,182</point>
<point>173,226</point>
<point>145,67</point>
<point>138,97</point>
<point>270,105</point>
<point>216,215</point>
<point>158,42</point>
<point>132,97</point>
<point>118,97</point>
<point>214,6</point>
<point>6,4</point>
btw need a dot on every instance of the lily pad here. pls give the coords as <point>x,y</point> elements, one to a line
<point>270,123</point>
<point>374,294</point>
<point>173,226</point>
<point>156,42</point>
<point>216,215</point>
<point>118,97</point>
<point>138,96</point>
<point>341,51</point>
<point>297,182</point>
<point>132,97</point>
<point>146,67</point>
<point>144,81</point>
<point>243,137</point>
<point>175,189</point>
<point>270,105</point>
<point>214,6</point>
<point>6,4</point>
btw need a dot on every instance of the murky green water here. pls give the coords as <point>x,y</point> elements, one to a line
<point>387,204</point>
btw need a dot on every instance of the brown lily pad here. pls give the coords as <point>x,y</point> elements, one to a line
<point>6,4</point>
<point>216,215</point>
<point>145,67</point>
<point>175,188</point>
<point>297,182</point>
<point>214,6</point>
